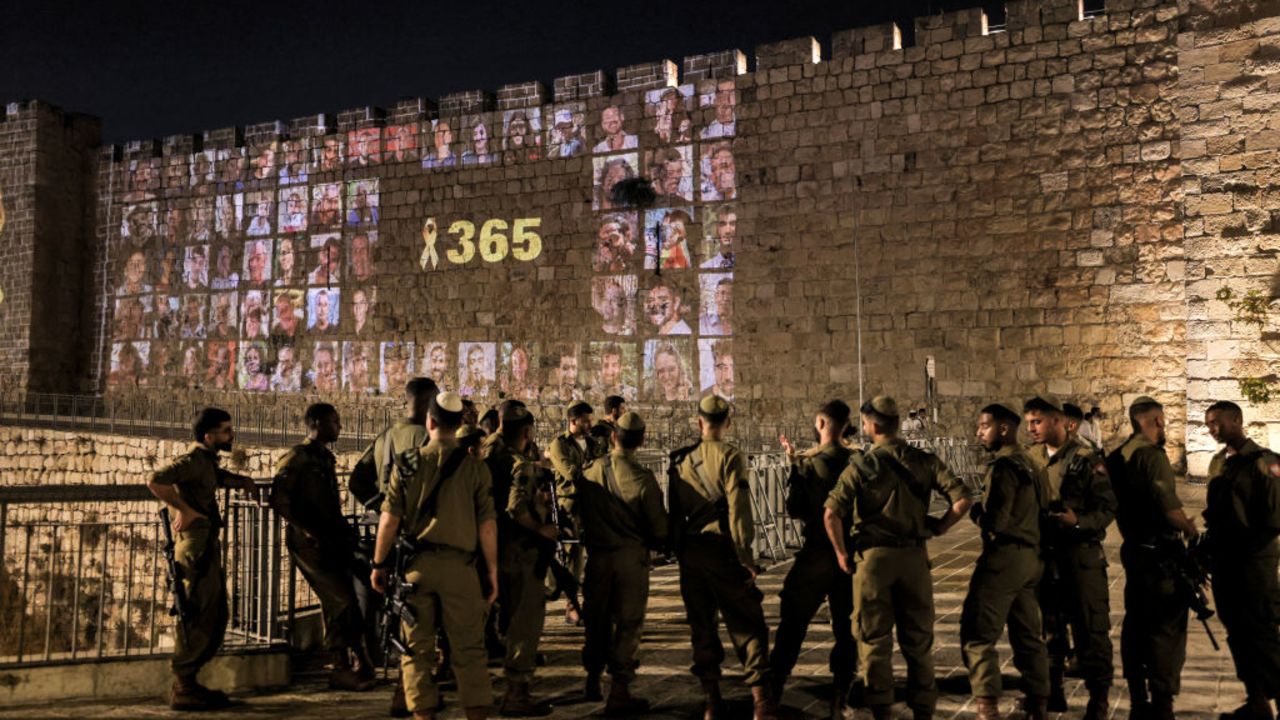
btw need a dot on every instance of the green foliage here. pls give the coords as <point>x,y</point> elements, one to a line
<point>1250,309</point>
<point>1257,390</point>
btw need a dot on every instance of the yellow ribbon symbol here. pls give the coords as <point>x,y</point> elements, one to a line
<point>429,254</point>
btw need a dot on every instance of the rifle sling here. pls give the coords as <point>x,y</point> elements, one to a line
<point>450,465</point>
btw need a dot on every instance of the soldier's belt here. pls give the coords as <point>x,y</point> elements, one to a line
<point>425,546</point>
<point>1004,540</point>
<point>889,543</point>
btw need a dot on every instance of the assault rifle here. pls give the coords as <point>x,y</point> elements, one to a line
<point>181,607</point>
<point>1189,577</point>
<point>395,603</point>
<point>557,554</point>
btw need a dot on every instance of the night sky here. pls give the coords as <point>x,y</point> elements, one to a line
<point>151,69</point>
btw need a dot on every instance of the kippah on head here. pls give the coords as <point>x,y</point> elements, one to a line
<point>714,408</point>
<point>579,409</point>
<point>1043,402</point>
<point>1003,412</point>
<point>449,402</point>
<point>1072,411</point>
<point>630,421</point>
<point>513,413</point>
<point>1144,402</point>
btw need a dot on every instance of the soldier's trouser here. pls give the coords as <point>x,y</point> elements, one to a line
<point>893,586</point>
<point>712,578</point>
<point>1153,637</point>
<point>330,574</point>
<point>615,596</point>
<point>1003,590</point>
<point>199,557</point>
<point>524,603</point>
<point>446,579</point>
<point>815,576</point>
<point>1247,594</point>
<point>1081,599</point>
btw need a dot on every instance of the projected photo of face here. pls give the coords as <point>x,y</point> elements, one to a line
<point>322,310</point>
<point>293,210</point>
<point>477,140</point>
<point>362,301</point>
<point>173,221</point>
<point>142,180</point>
<point>177,177</point>
<point>160,366</point>
<point>326,206</point>
<point>522,134</point>
<point>328,268</point>
<point>168,271</point>
<point>564,377</point>
<point>614,370</point>
<point>252,364</point>
<point>220,365</point>
<point>664,309</point>
<point>356,375</point>
<point>138,224</point>
<point>567,135</point>
<point>288,273</point>
<point>329,153</point>
<point>168,317</point>
<point>199,223</point>
<point>435,364</point>
<point>191,355</point>
<point>614,299</point>
<point>441,151</point>
<point>667,371</point>
<point>254,315</point>
<point>616,250</point>
<point>195,267</point>
<point>717,304</point>
<point>202,169</point>
<point>720,230</point>
<point>610,171</point>
<point>477,362</point>
<point>131,317</point>
<point>719,178</point>
<point>364,147</point>
<point>668,111</point>
<point>223,323</point>
<point>715,360</point>
<point>396,367</point>
<point>670,169</point>
<point>287,313</point>
<point>286,376</point>
<point>612,132</point>
<point>257,263</point>
<point>230,169</point>
<point>263,161</point>
<point>360,255</point>
<point>668,228</point>
<point>193,312</point>
<point>400,143</point>
<point>133,279</point>
<point>128,364</point>
<point>721,96</point>
<point>323,376</point>
<point>517,376</point>
<point>294,157</point>
<point>229,216</point>
<point>362,203</point>
<point>259,206</point>
<point>225,276</point>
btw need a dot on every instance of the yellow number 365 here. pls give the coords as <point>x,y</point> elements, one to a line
<point>493,243</point>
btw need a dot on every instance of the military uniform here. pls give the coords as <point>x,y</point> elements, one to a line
<point>197,476</point>
<point>523,571</point>
<point>815,574</point>
<point>620,506</point>
<point>1153,638</point>
<point>371,472</point>
<point>443,571</point>
<point>1075,593</point>
<point>1003,586</point>
<point>1243,518</point>
<point>568,457</point>
<point>885,494</point>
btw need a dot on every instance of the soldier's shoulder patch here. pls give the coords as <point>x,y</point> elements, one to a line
<point>407,461</point>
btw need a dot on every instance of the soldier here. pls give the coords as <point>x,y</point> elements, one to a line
<point>445,508</point>
<point>1003,586</point>
<point>815,575</point>
<point>189,486</point>
<point>322,545</point>
<point>623,518</point>
<point>615,406</point>
<point>372,471</point>
<point>885,494</point>
<point>1074,591</point>
<point>712,526</point>
<point>1153,638</point>
<point>569,453</point>
<point>1243,520</point>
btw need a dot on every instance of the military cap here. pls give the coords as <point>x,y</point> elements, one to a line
<point>713,405</point>
<point>630,422</point>
<point>449,402</point>
<point>885,405</point>
<point>514,414</point>
<point>1144,400</point>
<point>469,431</point>
<point>1043,400</point>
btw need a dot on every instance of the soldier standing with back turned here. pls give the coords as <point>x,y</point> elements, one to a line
<point>373,470</point>
<point>569,453</point>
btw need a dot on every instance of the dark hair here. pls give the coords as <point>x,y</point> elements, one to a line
<point>837,411</point>
<point>579,409</point>
<point>613,402</point>
<point>1141,409</point>
<point>316,412</point>
<point>888,424</point>
<point>421,387</point>
<point>443,418</point>
<point>512,427</point>
<point>1228,407</point>
<point>1002,414</point>
<point>489,421</point>
<point>1038,404</point>
<point>630,439</point>
<point>1072,411</point>
<point>208,420</point>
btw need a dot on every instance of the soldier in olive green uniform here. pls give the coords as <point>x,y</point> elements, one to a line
<point>1074,591</point>
<point>815,574</point>
<point>1003,587</point>
<point>569,453</point>
<point>322,544</point>
<point>189,487</point>
<point>622,515</point>
<point>615,406</point>
<point>372,471</point>
<point>445,508</point>
<point>1153,638</point>
<point>1243,520</point>
<point>712,525</point>
<point>884,496</point>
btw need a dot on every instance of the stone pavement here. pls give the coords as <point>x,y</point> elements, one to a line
<point>1209,684</point>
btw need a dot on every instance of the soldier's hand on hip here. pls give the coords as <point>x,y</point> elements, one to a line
<point>846,563</point>
<point>183,520</point>
<point>378,579</point>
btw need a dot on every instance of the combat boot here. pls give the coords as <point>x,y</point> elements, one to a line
<point>839,696</point>
<point>479,712</point>
<point>184,696</point>
<point>519,703</point>
<point>591,689</point>
<point>1161,706</point>
<point>344,677</point>
<point>363,666</point>
<point>881,712</point>
<point>1099,706</point>
<point>715,709</point>
<point>1057,696</point>
<point>1252,709</point>
<point>399,705</point>
<point>1036,708</point>
<point>988,708</point>
<point>765,706</point>
<point>622,703</point>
